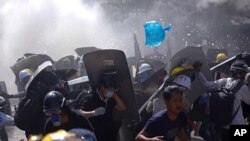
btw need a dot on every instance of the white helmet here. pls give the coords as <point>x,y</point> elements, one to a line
<point>183,80</point>
<point>144,67</point>
<point>24,73</point>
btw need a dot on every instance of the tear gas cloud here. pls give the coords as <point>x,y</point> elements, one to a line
<point>57,27</point>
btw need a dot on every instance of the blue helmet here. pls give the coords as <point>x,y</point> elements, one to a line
<point>83,134</point>
<point>24,76</point>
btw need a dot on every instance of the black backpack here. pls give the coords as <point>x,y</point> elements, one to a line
<point>222,103</point>
<point>29,108</point>
<point>21,117</point>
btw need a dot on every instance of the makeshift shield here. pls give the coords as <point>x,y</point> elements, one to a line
<point>99,61</point>
<point>83,79</point>
<point>31,62</point>
<point>65,67</point>
<point>79,84</point>
<point>193,54</point>
<point>84,50</point>
<point>35,76</point>
<point>66,62</point>
<point>157,68</point>
<point>225,65</point>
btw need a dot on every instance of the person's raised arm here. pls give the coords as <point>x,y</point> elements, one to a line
<point>119,103</point>
<point>207,84</point>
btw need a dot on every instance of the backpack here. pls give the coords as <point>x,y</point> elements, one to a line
<point>197,111</point>
<point>222,104</point>
<point>21,117</point>
<point>28,108</point>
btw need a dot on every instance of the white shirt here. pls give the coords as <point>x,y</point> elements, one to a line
<point>243,94</point>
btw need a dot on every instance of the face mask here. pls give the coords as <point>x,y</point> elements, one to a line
<point>56,119</point>
<point>109,94</point>
<point>143,76</point>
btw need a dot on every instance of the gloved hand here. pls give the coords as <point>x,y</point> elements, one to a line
<point>6,119</point>
<point>99,111</point>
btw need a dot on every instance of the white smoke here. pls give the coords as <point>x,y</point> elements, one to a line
<point>54,27</point>
<point>57,27</point>
<point>47,26</point>
<point>205,3</point>
<point>241,5</point>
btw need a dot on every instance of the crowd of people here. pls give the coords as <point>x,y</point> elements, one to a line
<point>46,113</point>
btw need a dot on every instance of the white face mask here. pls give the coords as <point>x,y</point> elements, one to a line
<point>109,94</point>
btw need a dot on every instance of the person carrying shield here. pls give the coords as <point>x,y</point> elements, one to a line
<point>29,115</point>
<point>101,104</point>
<point>238,69</point>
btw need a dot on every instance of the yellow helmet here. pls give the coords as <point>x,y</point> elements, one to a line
<point>60,135</point>
<point>176,70</point>
<point>221,57</point>
<point>35,138</point>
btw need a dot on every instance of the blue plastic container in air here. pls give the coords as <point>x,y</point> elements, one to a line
<point>155,34</point>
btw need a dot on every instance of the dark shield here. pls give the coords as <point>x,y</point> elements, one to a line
<point>47,65</point>
<point>84,50</point>
<point>193,54</point>
<point>65,67</point>
<point>31,62</point>
<point>225,65</point>
<point>99,61</point>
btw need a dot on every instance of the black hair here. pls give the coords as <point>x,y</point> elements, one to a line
<point>170,90</point>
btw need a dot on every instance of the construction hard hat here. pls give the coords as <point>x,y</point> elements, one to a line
<point>60,135</point>
<point>35,138</point>
<point>53,100</point>
<point>221,57</point>
<point>24,75</point>
<point>176,70</point>
<point>144,67</point>
<point>182,80</point>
